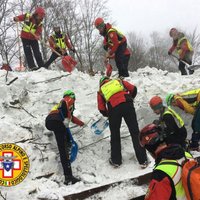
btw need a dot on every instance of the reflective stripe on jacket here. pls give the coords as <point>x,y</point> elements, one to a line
<point>177,117</point>
<point>178,47</point>
<point>28,26</point>
<point>192,97</point>
<point>60,42</point>
<point>174,172</point>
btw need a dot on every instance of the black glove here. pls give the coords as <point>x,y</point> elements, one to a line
<point>169,53</point>
<point>104,113</point>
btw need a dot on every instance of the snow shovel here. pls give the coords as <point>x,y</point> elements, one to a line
<point>99,126</point>
<point>74,147</point>
<point>67,61</point>
<point>189,67</point>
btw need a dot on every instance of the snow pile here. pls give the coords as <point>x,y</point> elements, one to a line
<point>25,104</point>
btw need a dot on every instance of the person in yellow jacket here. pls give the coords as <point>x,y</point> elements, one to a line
<point>166,181</point>
<point>115,43</point>
<point>170,121</point>
<point>59,42</point>
<point>30,34</point>
<point>183,48</point>
<point>189,102</point>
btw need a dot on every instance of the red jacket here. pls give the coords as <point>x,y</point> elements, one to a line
<point>107,46</point>
<point>114,38</point>
<point>62,113</point>
<point>117,98</point>
<point>185,50</point>
<point>159,189</point>
<point>28,35</point>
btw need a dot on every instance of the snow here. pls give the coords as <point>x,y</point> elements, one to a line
<point>25,105</point>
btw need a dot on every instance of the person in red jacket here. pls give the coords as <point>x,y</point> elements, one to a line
<point>115,101</point>
<point>115,43</point>
<point>58,42</point>
<point>183,48</point>
<point>57,121</point>
<point>30,34</point>
<point>166,180</point>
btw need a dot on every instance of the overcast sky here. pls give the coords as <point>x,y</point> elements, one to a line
<point>146,16</point>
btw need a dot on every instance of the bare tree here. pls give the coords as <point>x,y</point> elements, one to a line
<point>157,53</point>
<point>137,47</point>
<point>89,11</point>
<point>194,38</point>
<point>7,41</point>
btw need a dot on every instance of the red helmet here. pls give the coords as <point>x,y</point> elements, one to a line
<point>172,32</point>
<point>98,22</point>
<point>156,102</point>
<point>40,11</point>
<point>149,135</point>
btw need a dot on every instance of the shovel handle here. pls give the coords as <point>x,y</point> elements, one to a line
<point>180,60</point>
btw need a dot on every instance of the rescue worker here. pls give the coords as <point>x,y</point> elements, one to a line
<point>166,182</point>
<point>60,43</point>
<point>183,48</point>
<point>57,121</point>
<point>115,101</point>
<point>30,34</point>
<point>115,43</point>
<point>173,124</point>
<point>189,102</point>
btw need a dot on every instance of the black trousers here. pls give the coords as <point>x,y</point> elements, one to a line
<point>122,60</point>
<point>182,67</point>
<point>51,59</point>
<point>127,111</point>
<point>29,46</point>
<point>59,130</point>
<point>196,127</point>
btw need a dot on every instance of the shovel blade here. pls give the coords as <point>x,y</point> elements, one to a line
<point>194,67</point>
<point>68,63</point>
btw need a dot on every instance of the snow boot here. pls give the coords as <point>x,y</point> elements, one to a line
<point>115,165</point>
<point>70,180</point>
